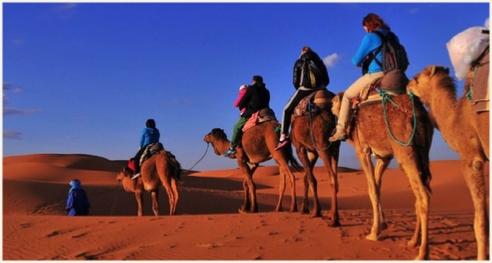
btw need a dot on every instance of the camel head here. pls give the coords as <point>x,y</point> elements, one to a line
<point>336,103</point>
<point>215,134</point>
<point>125,172</point>
<point>427,78</point>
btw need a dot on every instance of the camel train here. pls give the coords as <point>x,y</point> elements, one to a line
<point>463,123</point>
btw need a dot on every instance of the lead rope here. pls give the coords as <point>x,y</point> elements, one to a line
<point>387,98</point>
<point>115,196</point>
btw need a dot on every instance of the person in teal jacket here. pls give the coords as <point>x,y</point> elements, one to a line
<point>77,201</point>
<point>372,70</point>
<point>150,134</point>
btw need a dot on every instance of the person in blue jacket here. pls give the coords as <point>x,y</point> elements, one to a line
<point>150,134</point>
<point>372,70</point>
<point>77,201</point>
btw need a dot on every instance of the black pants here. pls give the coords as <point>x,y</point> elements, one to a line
<point>290,106</point>
<point>136,159</point>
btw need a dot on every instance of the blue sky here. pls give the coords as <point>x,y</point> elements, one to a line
<point>84,78</point>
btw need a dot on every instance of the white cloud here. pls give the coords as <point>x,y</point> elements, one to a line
<point>330,60</point>
<point>7,87</point>
<point>66,6</point>
<point>11,134</point>
<point>18,41</point>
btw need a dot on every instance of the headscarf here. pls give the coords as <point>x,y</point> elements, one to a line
<point>75,184</point>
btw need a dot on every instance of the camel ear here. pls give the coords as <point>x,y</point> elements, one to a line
<point>447,70</point>
<point>432,71</point>
<point>335,99</point>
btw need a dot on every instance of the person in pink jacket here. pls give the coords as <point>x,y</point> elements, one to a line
<point>240,122</point>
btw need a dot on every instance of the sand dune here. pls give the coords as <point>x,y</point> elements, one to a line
<point>208,226</point>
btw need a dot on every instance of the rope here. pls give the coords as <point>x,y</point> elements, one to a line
<point>311,130</point>
<point>200,158</point>
<point>114,203</point>
<point>387,98</point>
<point>470,91</point>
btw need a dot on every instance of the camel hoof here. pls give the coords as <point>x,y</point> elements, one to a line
<point>374,237</point>
<point>421,258</point>
<point>293,210</point>
<point>316,214</point>
<point>334,223</point>
<point>278,209</point>
<point>412,243</point>
<point>242,211</point>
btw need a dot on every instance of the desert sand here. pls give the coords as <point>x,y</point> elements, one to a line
<point>207,225</point>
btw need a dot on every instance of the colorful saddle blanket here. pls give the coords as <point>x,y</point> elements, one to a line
<point>150,149</point>
<point>258,117</point>
<point>318,100</point>
<point>477,83</point>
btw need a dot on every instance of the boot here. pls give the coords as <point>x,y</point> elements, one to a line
<point>340,135</point>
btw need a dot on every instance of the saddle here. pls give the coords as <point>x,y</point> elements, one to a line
<point>477,83</point>
<point>392,83</point>
<point>150,149</point>
<point>258,117</point>
<point>311,104</point>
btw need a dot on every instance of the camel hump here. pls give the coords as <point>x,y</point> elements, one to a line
<point>322,98</point>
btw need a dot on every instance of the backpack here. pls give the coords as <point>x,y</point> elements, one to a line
<point>394,54</point>
<point>315,75</point>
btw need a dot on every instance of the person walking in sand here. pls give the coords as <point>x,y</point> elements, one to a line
<point>77,202</point>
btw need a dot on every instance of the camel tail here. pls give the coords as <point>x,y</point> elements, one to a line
<point>290,158</point>
<point>176,167</point>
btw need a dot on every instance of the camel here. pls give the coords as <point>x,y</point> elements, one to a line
<point>308,136</point>
<point>160,169</point>
<point>465,131</point>
<point>258,145</point>
<point>369,134</point>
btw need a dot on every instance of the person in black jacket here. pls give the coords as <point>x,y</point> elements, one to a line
<point>257,97</point>
<point>310,75</point>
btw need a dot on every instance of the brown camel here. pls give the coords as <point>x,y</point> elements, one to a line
<point>309,138</point>
<point>369,134</point>
<point>258,145</point>
<point>466,132</point>
<point>160,169</point>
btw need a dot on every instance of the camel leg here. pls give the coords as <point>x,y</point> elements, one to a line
<point>281,191</point>
<point>285,171</point>
<point>363,154</point>
<point>326,156</point>
<point>381,166</point>
<point>247,203</point>
<point>416,235</point>
<point>474,176</point>
<point>139,197</point>
<point>155,201</point>
<point>170,194</point>
<point>304,159</point>
<point>292,181</point>
<point>422,208</point>
<point>313,185</point>
<point>174,187</point>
